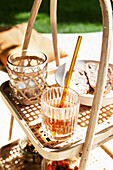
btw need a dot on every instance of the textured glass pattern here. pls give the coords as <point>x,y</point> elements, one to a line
<point>59,123</point>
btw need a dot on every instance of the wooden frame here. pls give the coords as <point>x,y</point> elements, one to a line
<point>103,66</point>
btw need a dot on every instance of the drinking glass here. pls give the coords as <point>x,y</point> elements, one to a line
<point>59,123</point>
<point>28,72</point>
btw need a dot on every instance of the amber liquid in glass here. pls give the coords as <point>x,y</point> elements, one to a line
<point>59,121</point>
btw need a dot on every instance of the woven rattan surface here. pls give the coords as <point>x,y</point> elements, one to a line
<point>32,116</point>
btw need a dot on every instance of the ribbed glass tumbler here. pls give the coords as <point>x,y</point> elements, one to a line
<point>28,72</point>
<point>59,123</point>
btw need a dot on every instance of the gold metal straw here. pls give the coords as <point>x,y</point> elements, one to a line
<point>70,71</point>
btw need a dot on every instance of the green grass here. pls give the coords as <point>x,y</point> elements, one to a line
<point>74,16</point>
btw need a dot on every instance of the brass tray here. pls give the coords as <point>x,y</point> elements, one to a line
<point>29,119</point>
<point>11,157</point>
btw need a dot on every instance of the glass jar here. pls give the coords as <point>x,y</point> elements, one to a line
<point>29,155</point>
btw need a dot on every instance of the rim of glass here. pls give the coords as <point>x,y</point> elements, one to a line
<point>9,62</point>
<point>77,102</point>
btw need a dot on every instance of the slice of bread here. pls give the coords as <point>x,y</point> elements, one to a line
<point>79,82</point>
<point>91,70</point>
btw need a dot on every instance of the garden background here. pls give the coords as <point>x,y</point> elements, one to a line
<point>74,16</point>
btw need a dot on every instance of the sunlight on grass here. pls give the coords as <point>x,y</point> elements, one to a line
<point>23,15</point>
<point>79,27</point>
<point>73,16</point>
<point>42,24</point>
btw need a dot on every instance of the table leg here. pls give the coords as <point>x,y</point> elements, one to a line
<point>107,150</point>
<point>11,127</point>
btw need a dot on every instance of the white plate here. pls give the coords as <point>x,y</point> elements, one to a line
<point>85,99</point>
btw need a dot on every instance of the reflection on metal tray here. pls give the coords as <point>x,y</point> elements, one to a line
<point>29,119</point>
<point>11,157</point>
